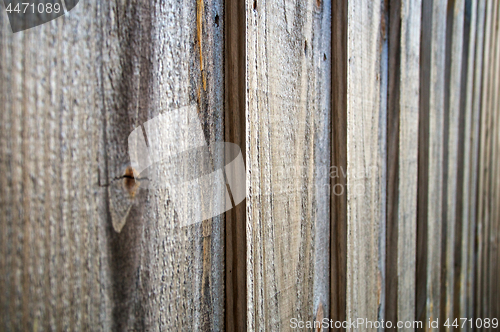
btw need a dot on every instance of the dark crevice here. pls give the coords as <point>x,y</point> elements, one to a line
<point>393,128</point>
<point>423,167</point>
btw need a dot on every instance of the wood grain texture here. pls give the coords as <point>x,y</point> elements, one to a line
<point>54,258</point>
<point>72,91</point>
<point>475,136</point>
<point>35,112</point>
<point>478,280</point>
<point>467,175</point>
<point>431,144</point>
<point>367,55</point>
<point>408,171</point>
<point>491,238</point>
<point>402,154</point>
<point>484,180</point>
<point>371,136</point>
<point>452,104</point>
<point>287,123</point>
<point>176,268</point>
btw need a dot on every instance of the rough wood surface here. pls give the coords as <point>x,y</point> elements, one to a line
<point>408,151</point>
<point>494,236</point>
<point>453,92</point>
<point>72,91</point>
<point>371,137</point>
<point>288,112</point>
<point>484,180</point>
<point>476,116</point>
<point>492,217</point>
<point>402,158</point>
<point>367,55</point>
<point>430,173</point>
<point>54,269</point>
<point>467,196</point>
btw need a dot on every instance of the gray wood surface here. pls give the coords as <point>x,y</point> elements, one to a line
<point>431,145</point>
<point>53,220</point>
<point>72,91</point>
<point>408,151</point>
<point>453,102</point>
<point>370,132</point>
<point>484,180</point>
<point>367,55</point>
<point>474,18</point>
<point>491,238</point>
<point>476,116</point>
<point>287,125</point>
<point>402,158</point>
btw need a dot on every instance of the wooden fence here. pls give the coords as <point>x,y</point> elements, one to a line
<point>371,137</point>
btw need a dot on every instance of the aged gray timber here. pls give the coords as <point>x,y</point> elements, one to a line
<point>492,221</point>
<point>402,158</point>
<point>72,91</point>
<point>475,136</point>
<point>287,125</point>
<point>408,152</point>
<point>367,53</point>
<point>453,93</point>
<point>54,267</point>
<point>430,173</point>
<point>371,137</point>
<point>484,179</point>
<point>467,177</point>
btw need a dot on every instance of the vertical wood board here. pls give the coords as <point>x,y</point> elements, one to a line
<point>287,124</point>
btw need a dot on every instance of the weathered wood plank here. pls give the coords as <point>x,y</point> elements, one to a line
<point>430,172</point>
<point>402,158</point>
<point>55,236</point>
<point>72,91</point>
<point>367,55</point>
<point>176,268</point>
<point>492,266</point>
<point>490,164</point>
<point>452,104</point>
<point>327,101</point>
<point>288,110</point>
<point>408,171</point>
<point>484,180</point>
<point>478,279</point>
<point>468,145</point>
<point>468,199</point>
